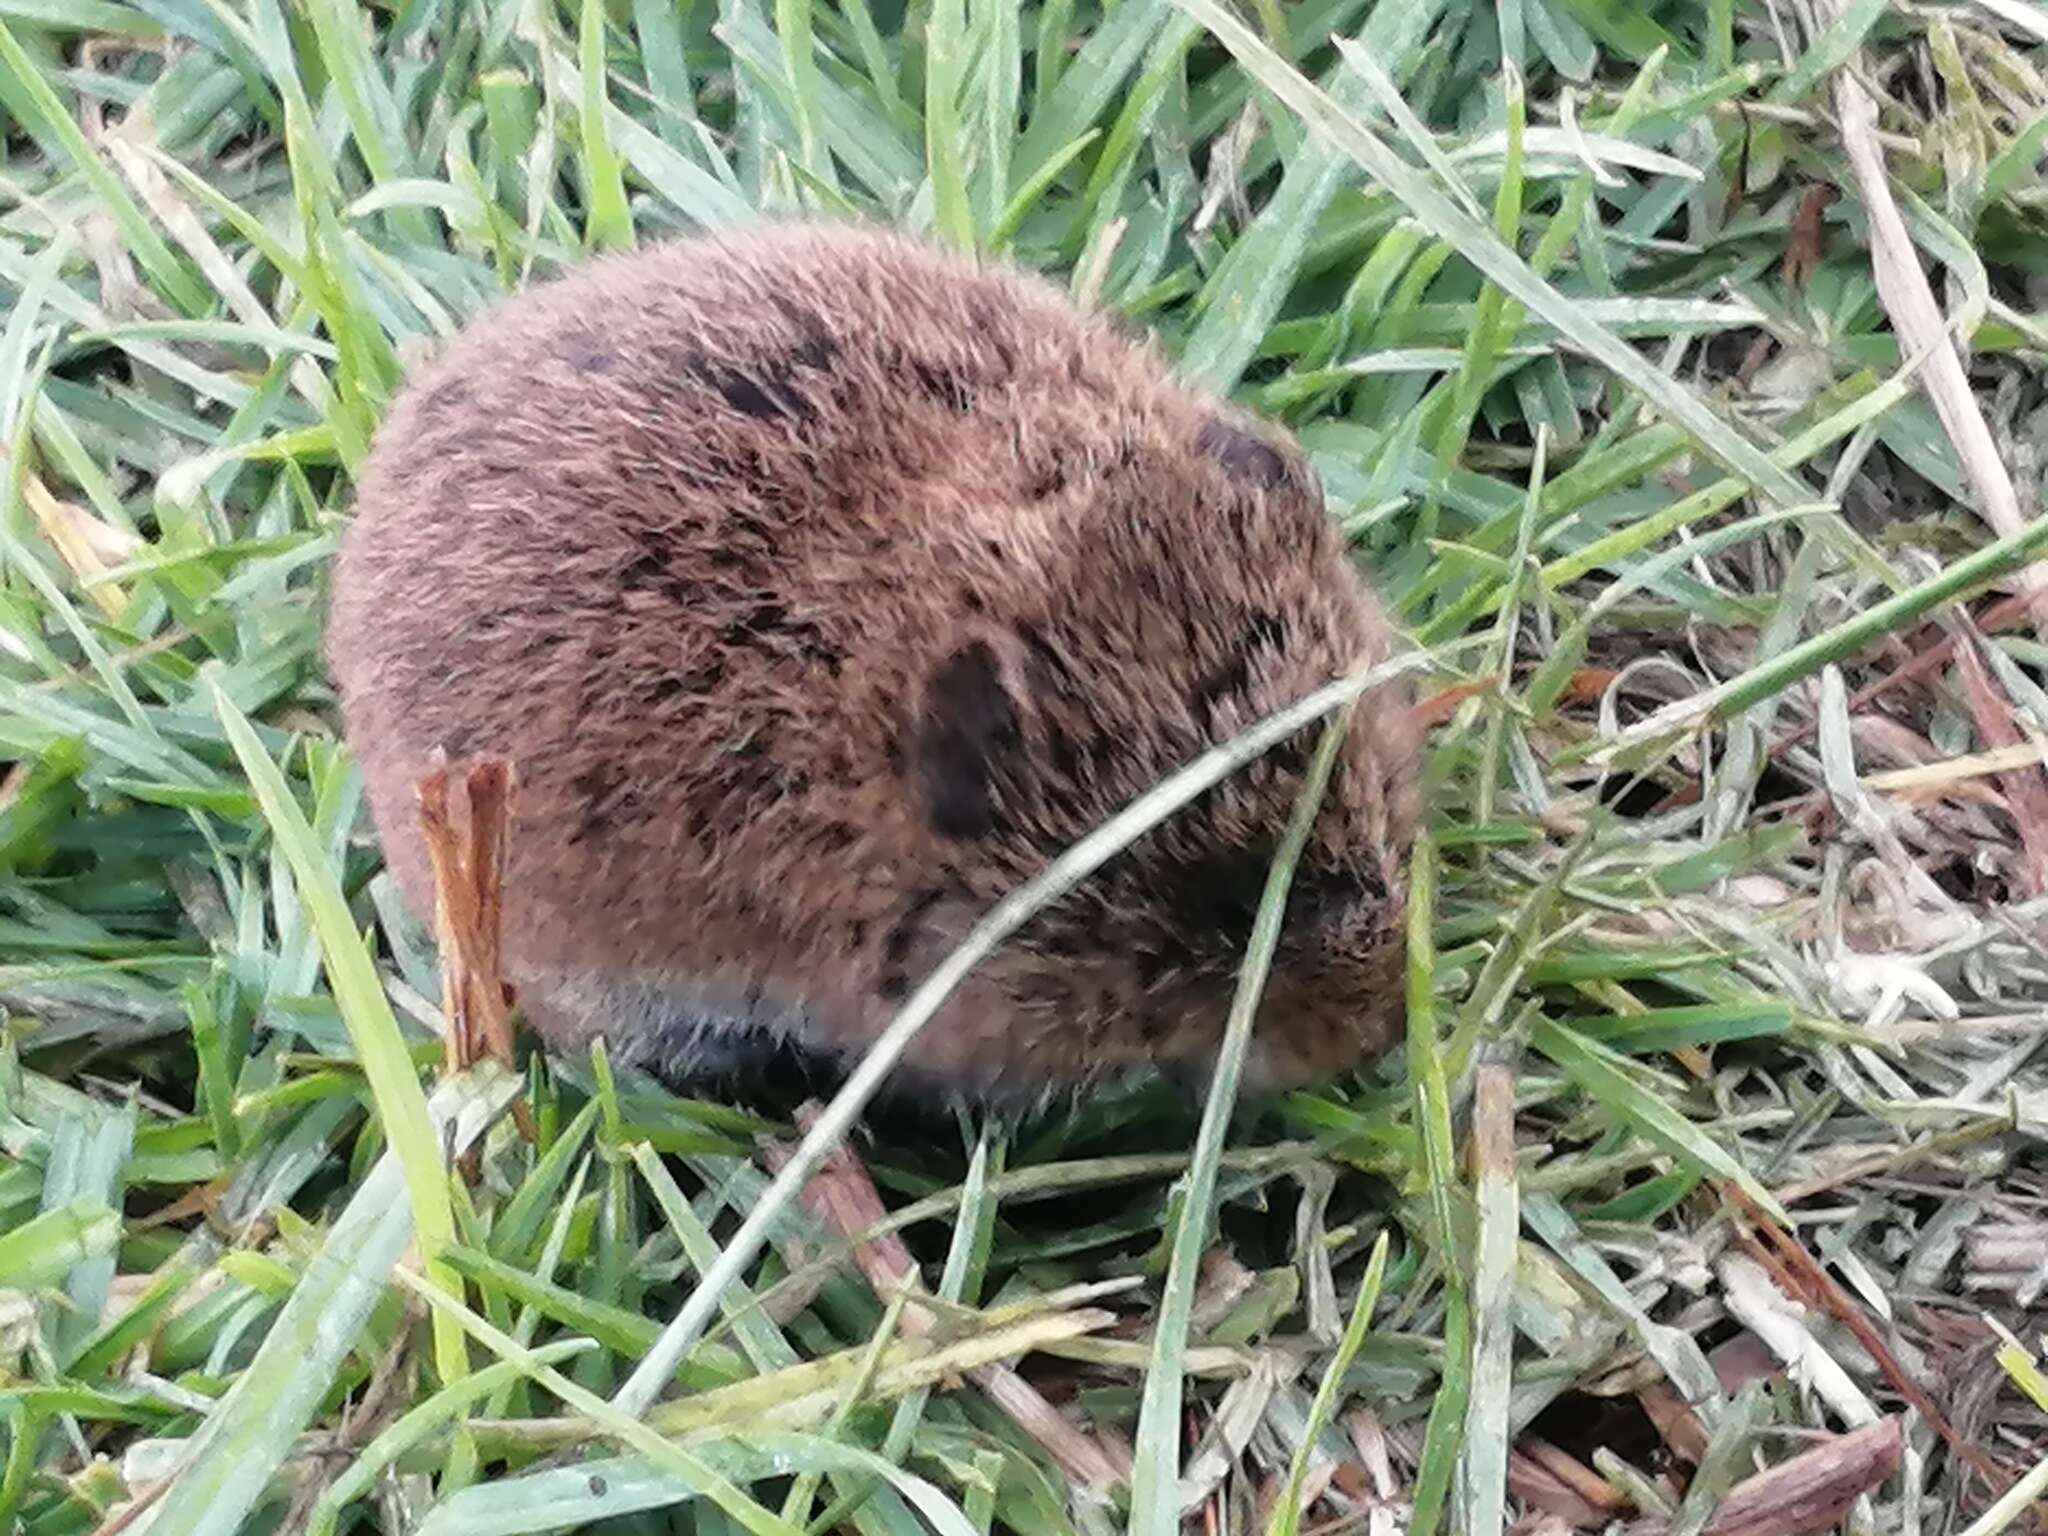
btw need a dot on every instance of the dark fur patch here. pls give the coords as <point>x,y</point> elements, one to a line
<point>815,646</point>
<point>769,626</point>
<point>747,781</point>
<point>1225,681</point>
<point>1232,677</point>
<point>1051,672</point>
<point>748,767</point>
<point>750,399</point>
<point>818,348</point>
<point>690,1050</point>
<point>836,837</point>
<point>816,352</point>
<point>901,943</point>
<point>538,644</point>
<point>1213,900</point>
<point>697,680</point>
<point>760,622</point>
<point>588,353</point>
<point>991,321</point>
<point>1047,485</point>
<point>652,571</point>
<point>968,735</point>
<point>944,386</point>
<point>903,936</point>
<point>774,390</point>
<point>1291,756</point>
<point>1245,456</point>
<point>606,801</point>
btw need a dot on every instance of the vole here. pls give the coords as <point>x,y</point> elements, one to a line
<point>820,588</point>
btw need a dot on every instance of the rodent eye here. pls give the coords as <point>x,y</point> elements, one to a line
<point>1321,896</point>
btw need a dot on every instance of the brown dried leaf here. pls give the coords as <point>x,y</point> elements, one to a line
<point>468,862</point>
<point>1552,1480</point>
<point>1810,1492</point>
<point>2026,789</point>
<point>87,546</point>
<point>1808,234</point>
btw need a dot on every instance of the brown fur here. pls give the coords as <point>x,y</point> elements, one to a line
<point>821,589</point>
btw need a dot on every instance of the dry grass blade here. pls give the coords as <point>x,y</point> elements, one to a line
<point>1920,325</point>
<point>465,838</point>
<point>799,1396</point>
<point>1809,1492</point>
<point>1999,760</point>
<point>88,545</point>
<point>1808,1280</point>
<point>1484,1458</point>
<point>842,1195</point>
<point>2026,788</point>
<point>1560,1485</point>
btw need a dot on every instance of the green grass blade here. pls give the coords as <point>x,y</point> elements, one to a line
<point>46,1248</point>
<point>29,94</point>
<point>1606,1077</point>
<point>1240,302</point>
<point>609,225</point>
<point>1155,1481</point>
<point>952,209</point>
<point>228,1464</point>
<point>682,1466</point>
<point>1287,1510</point>
<point>1483,248</point>
<point>1089,82</point>
<point>358,993</point>
<point>417,1423</point>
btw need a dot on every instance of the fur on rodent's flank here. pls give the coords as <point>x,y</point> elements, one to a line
<point>821,588</point>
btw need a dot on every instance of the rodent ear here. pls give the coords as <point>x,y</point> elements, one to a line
<point>1245,455</point>
<point>969,734</point>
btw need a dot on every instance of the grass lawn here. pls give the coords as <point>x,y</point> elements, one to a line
<point>1625,340</point>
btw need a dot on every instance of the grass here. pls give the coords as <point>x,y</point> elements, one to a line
<point>1730,902</point>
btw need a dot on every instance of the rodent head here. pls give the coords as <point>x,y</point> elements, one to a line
<point>1197,586</point>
